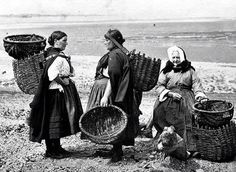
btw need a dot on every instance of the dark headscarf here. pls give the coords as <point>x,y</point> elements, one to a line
<point>116,34</point>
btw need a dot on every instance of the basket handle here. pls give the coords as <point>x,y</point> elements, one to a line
<point>204,99</point>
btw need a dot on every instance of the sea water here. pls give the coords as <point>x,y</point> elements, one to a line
<point>203,41</point>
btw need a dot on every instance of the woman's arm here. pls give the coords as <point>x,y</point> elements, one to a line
<point>161,89</point>
<point>197,87</point>
<point>107,93</point>
<point>54,71</point>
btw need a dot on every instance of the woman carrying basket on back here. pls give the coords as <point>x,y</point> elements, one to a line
<point>56,107</point>
<point>116,89</point>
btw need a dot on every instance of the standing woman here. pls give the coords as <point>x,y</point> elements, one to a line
<point>100,83</point>
<point>120,90</point>
<point>178,89</point>
<point>56,107</point>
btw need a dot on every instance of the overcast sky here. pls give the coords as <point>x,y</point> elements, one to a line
<point>127,9</point>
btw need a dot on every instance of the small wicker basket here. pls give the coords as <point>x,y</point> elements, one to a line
<point>104,125</point>
<point>216,144</point>
<point>213,113</point>
<point>24,45</point>
<point>27,72</point>
<point>145,71</point>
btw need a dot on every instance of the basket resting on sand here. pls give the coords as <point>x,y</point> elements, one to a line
<point>104,125</point>
<point>145,71</point>
<point>216,144</point>
<point>24,45</point>
<point>213,113</point>
<point>27,72</point>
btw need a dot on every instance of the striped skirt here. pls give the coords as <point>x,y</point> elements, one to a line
<point>58,122</point>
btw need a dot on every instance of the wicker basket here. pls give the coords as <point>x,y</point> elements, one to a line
<point>104,125</point>
<point>27,72</point>
<point>213,113</point>
<point>145,71</point>
<point>25,45</point>
<point>216,144</point>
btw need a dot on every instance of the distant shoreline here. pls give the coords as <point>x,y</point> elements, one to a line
<point>93,19</point>
<point>41,21</point>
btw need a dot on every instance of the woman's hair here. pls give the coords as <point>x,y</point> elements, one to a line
<point>56,35</point>
<point>116,34</point>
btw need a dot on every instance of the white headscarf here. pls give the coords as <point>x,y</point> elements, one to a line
<point>179,50</point>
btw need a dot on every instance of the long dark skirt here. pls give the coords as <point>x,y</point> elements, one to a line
<point>179,114</point>
<point>57,116</point>
<point>129,106</point>
<point>73,106</point>
<point>58,123</point>
<point>96,93</point>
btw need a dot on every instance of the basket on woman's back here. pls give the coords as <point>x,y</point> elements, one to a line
<point>27,51</point>
<point>145,71</point>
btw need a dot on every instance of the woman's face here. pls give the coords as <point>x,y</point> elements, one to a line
<point>109,44</point>
<point>175,58</point>
<point>61,43</point>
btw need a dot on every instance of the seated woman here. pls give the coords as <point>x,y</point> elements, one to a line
<point>178,89</point>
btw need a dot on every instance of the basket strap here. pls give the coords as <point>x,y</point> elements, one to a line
<point>122,48</point>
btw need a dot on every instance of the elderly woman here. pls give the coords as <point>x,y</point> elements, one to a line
<point>178,88</point>
<point>56,107</point>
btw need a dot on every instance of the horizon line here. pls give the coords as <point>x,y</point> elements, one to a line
<point>127,19</point>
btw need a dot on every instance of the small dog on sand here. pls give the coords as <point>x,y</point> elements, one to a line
<point>172,144</point>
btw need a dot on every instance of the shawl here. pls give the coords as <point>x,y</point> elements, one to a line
<point>182,67</point>
<point>119,73</point>
<point>38,117</point>
<point>102,63</point>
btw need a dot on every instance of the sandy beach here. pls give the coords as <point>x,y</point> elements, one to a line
<point>210,45</point>
<point>17,153</point>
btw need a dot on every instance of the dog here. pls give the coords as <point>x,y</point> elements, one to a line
<point>172,144</point>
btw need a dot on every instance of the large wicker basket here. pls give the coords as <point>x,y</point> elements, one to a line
<point>27,72</point>
<point>104,125</point>
<point>216,144</point>
<point>145,71</point>
<point>213,113</point>
<point>24,45</point>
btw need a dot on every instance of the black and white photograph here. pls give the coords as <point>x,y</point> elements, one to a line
<point>118,85</point>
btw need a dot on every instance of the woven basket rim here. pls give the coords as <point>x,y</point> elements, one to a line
<point>23,42</point>
<point>29,57</point>
<point>213,112</point>
<point>99,137</point>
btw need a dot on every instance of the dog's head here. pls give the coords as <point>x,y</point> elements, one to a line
<point>169,140</point>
